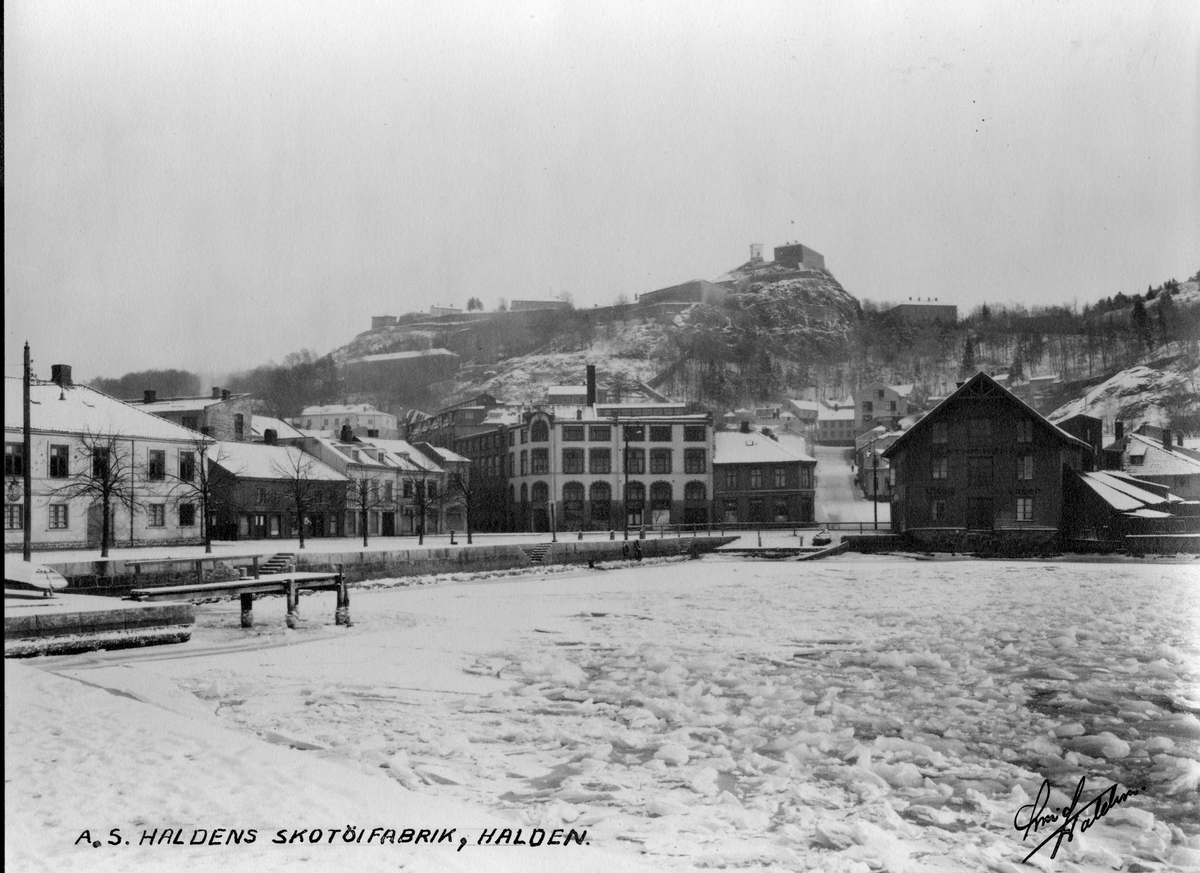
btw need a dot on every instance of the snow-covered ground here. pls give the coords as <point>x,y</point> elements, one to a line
<point>849,715</point>
<point>838,498</point>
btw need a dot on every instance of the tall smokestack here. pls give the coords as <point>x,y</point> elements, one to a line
<point>1119,430</point>
<point>591,384</point>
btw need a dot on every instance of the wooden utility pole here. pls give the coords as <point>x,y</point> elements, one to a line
<point>27,462</point>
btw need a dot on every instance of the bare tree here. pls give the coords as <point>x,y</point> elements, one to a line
<point>304,492</point>
<point>105,473</point>
<point>363,495</point>
<point>192,483</point>
<point>418,484</point>
<point>461,490</point>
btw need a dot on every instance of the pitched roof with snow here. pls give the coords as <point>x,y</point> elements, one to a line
<point>735,447</point>
<point>1158,460</point>
<point>1124,493</point>
<point>260,424</point>
<point>406,454</point>
<point>83,410</point>
<point>972,387</point>
<point>183,404</point>
<point>342,409</point>
<point>258,461</point>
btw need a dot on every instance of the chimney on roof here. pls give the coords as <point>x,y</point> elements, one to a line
<point>216,393</point>
<point>149,395</point>
<point>270,436</point>
<point>224,393</point>
<point>1179,439</point>
<point>591,384</point>
<point>347,433</point>
<point>745,426</point>
<point>1167,439</point>
<point>1119,430</point>
<point>60,375</point>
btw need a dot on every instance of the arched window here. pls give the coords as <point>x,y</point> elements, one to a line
<point>540,493</point>
<point>601,496</point>
<point>635,495</point>
<point>695,492</point>
<point>539,432</point>
<point>660,495</point>
<point>573,502</point>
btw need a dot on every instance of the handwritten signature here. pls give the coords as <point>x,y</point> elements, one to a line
<point>1036,816</point>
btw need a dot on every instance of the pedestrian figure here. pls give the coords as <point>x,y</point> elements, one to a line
<point>637,550</point>
<point>625,551</point>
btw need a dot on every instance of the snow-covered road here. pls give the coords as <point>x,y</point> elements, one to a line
<point>858,714</point>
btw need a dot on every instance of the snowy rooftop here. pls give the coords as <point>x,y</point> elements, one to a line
<point>362,454</point>
<point>343,409</point>
<point>1160,461</point>
<point>406,453</point>
<point>258,461</point>
<point>82,410</point>
<point>260,424</point>
<point>735,447</point>
<point>1122,492</point>
<point>183,404</point>
<point>846,413</point>
<point>400,356</point>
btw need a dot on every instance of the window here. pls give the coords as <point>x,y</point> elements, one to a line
<point>512,438</point>
<point>524,462</point>
<point>373,523</point>
<point>572,433</point>
<point>660,433</point>
<point>58,516</point>
<point>634,433</point>
<point>389,493</point>
<point>260,496</point>
<point>572,459</point>
<point>100,463</point>
<point>979,430</point>
<point>868,408</point>
<point>979,470</point>
<point>939,435</point>
<point>1025,467</point>
<point>59,462</point>
<point>539,462</point>
<point>695,492</point>
<point>540,493</point>
<point>731,510</point>
<point>190,422</point>
<point>781,478</point>
<point>891,406</point>
<point>806,477</point>
<point>1024,509</point>
<point>408,488</point>
<point>879,393</point>
<point>731,478</point>
<point>937,510</point>
<point>781,509</point>
<point>601,496</point>
<point>431,488</point>
<point>635,461</point>
<point>14,459</point>
<point>14,516</point>
<point>511,462</point>
<point>941,468</point>
<point>524,435</point>
<point>635,495</point>
<point>156,467</point>
<point>1137,460</point>
<point>694,433</point>
<point>660,495</point>
<point>599,433</point>
<point>158,514</point>
<point>600,461</point>
<point>539,432</point>
<point>573,500</point>
<point>660,460</point>
<point>756,477</point>
<point>375,490</point>
<point>695,460</point>
<point>187,466</point>
<point>239,425</point>
<point>187,515</point>
<point>1025,431</point>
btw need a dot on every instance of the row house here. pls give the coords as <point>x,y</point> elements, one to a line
<point>430,495</point>
<point>608,466</point>
<point>761,479</point>
<point>93,456</point>
<point>363,419</point>
<point>224,416</point>
<point>454,422</point>
<point>982,461</point>
<point>836,423</point>
<point>267,491</point>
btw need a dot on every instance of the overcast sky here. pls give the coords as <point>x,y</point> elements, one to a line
<point>211,185</point>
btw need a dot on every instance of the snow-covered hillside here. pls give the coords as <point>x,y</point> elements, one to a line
<point>1139,395</point>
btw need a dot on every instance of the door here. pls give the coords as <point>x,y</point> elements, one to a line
<point>389,524</point>
<point>979,513</point>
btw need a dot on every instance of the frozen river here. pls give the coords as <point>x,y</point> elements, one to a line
<point>854,715</point>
